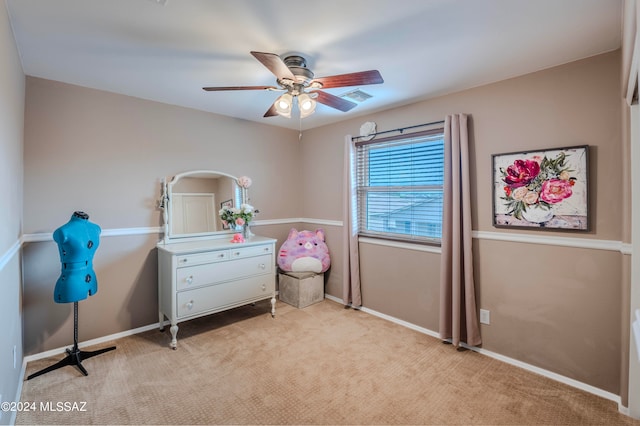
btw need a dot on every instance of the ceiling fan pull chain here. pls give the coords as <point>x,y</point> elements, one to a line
<point>300,128</point>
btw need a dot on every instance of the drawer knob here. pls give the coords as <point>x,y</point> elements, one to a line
<point>264,287</point>
<point>190,279</point>
<point>190,305</point>
<point>221,255</point>
<point>184,260</point>
<point>263,266</point>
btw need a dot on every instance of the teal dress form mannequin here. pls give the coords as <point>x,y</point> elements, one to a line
<point>77,241</point>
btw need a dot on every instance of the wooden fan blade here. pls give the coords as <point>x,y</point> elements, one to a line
<point>334,101</point>
<point>353,79</point>
<point>275,64</point>
<point>218,89</point>
<point>271,112</point>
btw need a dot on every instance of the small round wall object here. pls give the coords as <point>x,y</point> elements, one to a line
<point>368,130</point>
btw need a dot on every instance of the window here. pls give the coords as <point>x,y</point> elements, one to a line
<point>399,186</point>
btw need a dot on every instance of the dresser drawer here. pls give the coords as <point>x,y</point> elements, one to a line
<point>220,296</point>
<point>250,251</point>
<point>200,275</point>
<point>200,258</point>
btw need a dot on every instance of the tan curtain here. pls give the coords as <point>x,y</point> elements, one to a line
<point>458,316</point>
<point>350,259</point>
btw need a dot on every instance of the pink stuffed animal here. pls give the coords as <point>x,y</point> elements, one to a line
<point>237,238</point>
<point>304,251</point>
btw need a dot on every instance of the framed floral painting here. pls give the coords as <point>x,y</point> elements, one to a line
<point>545,189</point>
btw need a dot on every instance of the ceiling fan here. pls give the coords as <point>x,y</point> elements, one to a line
<point>298,82</point>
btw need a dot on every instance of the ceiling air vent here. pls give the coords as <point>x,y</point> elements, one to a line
<point>356,95</point>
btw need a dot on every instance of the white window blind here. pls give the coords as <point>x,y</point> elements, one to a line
<point>400,186</point>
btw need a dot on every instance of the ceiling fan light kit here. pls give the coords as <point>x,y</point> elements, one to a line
<point>306,104</point>
<point>284,105</point>
<point>293,77</point>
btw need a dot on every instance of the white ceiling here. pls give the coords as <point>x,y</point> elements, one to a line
<point>423,48</point>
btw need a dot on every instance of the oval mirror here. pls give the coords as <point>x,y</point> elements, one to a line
<point>191,202</point>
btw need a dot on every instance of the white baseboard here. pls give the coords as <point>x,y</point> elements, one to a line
<point>624,410</point>
<point>99,340</point>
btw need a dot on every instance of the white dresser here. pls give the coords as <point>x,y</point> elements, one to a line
<point>205,276</point>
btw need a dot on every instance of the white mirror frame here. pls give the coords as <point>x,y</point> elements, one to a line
<point>167,195</point>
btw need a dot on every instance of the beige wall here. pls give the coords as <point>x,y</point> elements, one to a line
<point>553,307</point>
<point>12,86</point>
<point>105,154</point>
<point>12,83</point>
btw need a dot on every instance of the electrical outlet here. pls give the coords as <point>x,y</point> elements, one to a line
<point>485,316</point>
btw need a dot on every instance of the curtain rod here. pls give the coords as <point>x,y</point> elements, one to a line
<point>400,129</point>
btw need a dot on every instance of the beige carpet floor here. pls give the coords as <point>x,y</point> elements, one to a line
<point>320,365</point>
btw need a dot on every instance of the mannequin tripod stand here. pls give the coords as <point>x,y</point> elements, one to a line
<point>74,355</point>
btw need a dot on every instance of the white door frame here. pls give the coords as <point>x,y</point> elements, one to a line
<point>634,354</point>
<point>634,151</point>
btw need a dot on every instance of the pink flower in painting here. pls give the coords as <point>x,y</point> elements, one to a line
<point>555,190</point>
<point>521,172</point>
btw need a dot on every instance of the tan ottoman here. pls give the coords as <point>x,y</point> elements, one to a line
<point>301,289</point>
